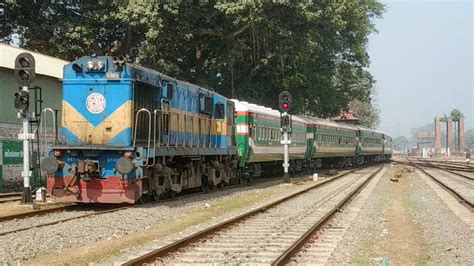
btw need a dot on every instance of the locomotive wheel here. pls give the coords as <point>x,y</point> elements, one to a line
<point>205,185</point>
<point>143,199</point>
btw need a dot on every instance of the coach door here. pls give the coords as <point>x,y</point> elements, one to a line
<point>165,122</point>
<point>230,124</point>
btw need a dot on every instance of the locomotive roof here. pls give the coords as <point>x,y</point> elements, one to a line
<point>246,107</point>
<point>169,78</point>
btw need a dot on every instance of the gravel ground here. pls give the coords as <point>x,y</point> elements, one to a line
<point>75,233</point>
<point>436,234</point>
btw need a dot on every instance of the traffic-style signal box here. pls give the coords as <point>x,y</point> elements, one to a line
<point>24,69</point>
<point>285,101</point>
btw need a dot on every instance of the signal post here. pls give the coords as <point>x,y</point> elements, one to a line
<point>284,105</point>
<point>25,74</point>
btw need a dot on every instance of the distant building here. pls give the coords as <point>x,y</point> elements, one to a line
<point>347,117</point>
<point>425,140</point>
<point>49,74</point>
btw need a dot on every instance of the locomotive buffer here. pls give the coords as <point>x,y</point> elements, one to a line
<point>284,105</point>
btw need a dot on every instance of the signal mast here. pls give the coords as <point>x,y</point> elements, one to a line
<point>285,101</point>
<point>25,74</point>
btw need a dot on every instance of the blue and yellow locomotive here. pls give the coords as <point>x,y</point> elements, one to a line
<point>129,132</point>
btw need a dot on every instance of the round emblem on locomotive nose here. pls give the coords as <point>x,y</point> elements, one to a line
<point>95,103</point>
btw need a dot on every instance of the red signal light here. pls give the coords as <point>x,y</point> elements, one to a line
<point>285,105</point>
<point>57,153</point>
<point>127,154</point>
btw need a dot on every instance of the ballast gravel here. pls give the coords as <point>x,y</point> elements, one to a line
<point>31,243</point>
<point>445,237</point>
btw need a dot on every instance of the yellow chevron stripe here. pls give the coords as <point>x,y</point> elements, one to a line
<point>105,131</point>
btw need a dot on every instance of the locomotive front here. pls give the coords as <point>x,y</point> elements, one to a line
<point>96,162</point>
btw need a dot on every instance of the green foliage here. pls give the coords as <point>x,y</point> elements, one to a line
<point>247,49</point>
<point>469,139</point>
<point>368,115</point>
<point>456,115</point>
<point>401,144</point>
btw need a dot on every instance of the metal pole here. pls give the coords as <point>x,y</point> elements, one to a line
<point>286,177</point>
<point>26,173</point>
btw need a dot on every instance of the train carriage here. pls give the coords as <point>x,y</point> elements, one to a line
<point>259,138</point>
<point>387,147</point>
<point>129,131</point>
<point>370,144</point>
<point>330,143</point>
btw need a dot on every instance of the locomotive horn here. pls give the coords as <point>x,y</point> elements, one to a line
<point>121,60</point>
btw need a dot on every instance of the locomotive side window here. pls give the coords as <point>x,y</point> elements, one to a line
<point>220,111</point>
<point>205,104</point>
<point>169,91</point>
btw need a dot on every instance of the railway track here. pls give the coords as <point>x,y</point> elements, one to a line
<point>81,207</point>
<point>71,207</point>
<point>453,166</point>
<point>9,197</point>
<point>271,234</point>
<point>458,185</point>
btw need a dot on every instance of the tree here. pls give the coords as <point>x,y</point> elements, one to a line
<point>401,144</point>
<point>469,137</point>
<point>246,49</point>
<point>369,115</point>
<point>456,115</point>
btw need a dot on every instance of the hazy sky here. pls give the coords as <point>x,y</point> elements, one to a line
<point>422,59</point>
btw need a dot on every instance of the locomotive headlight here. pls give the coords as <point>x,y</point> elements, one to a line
<point>49,165</point>
<point>124,165</point>
<point>99,65</point>
<point>90,65</point>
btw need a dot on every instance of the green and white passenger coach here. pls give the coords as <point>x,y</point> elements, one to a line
<point>315,142</point>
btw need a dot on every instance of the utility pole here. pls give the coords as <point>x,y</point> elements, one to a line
<point>284,104</point>
<point>25,74</point>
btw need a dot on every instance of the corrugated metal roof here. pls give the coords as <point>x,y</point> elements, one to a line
<point>45,65</point>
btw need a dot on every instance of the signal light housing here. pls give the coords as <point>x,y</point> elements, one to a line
<point>285,121</point>
<point>25,69</point>
<point>285,101</point>
<point>22,100</point>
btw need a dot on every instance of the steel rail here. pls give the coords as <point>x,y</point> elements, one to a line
<point>36,212</point>
<point>457,166</point>
<point>11,194</point>
<point>458,174</point>
<point>62,220</point>
<point>150,257</point>
<point>296,246</point>
<point>461,199</point>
